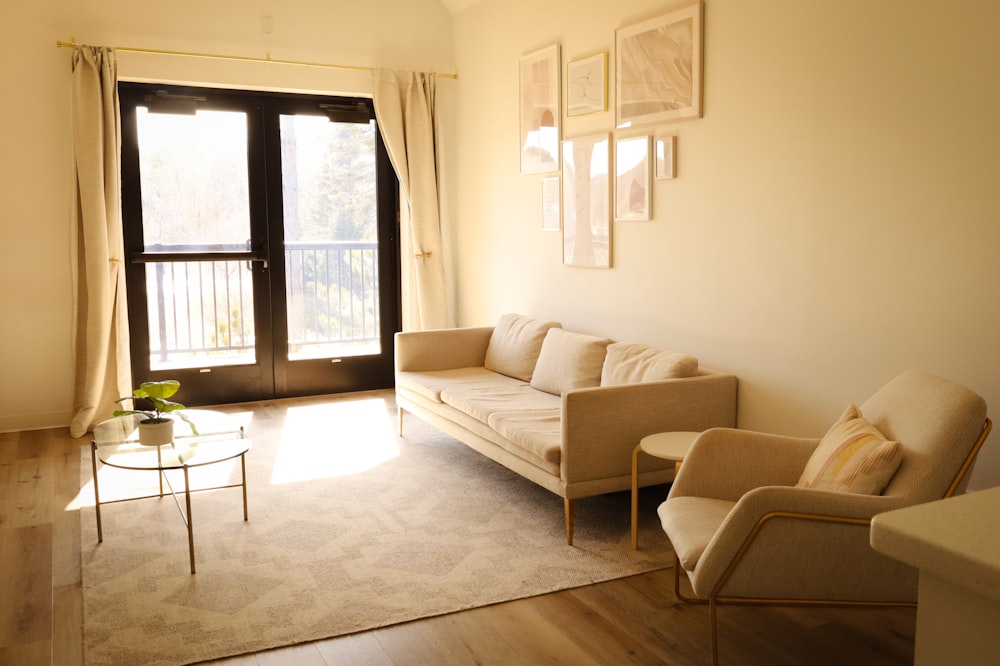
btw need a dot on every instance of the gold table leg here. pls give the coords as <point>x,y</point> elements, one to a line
<point>635,498</point>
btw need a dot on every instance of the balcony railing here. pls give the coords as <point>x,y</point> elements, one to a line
<point>201,312</point>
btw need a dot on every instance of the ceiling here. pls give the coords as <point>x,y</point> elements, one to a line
<point>455,6</point>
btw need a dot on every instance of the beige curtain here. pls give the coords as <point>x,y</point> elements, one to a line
<point>407,117</point>
<point>100,318</point>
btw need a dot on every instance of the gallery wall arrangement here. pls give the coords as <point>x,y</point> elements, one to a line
<point>591,181</point>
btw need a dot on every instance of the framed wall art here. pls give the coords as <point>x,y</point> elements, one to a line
<point>666,156</point>
<point>658,68</point>
<point>587,85</point>
<point>586,195</point>
<point>551,213</point>
<point>632,178</point>
<point>540,110</point>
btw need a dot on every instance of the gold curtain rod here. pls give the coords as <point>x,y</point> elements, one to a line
<point>269,59</point>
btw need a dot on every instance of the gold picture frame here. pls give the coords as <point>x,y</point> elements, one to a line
<point>587,85</point>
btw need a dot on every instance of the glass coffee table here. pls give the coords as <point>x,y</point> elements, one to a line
<point>219,438</point>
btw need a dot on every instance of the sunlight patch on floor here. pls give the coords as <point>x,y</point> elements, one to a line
<point>334,439</point>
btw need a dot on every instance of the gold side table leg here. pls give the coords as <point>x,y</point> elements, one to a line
<point>190,522</point>
<point>635,498</point>
<point>243,463</point>
<point>97,494</point>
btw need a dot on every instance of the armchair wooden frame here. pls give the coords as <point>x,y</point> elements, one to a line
<point>715,598</point>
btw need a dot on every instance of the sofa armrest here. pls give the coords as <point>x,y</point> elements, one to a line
<point>602,425</point>
<point>725,463</point>
<point>441,349</point>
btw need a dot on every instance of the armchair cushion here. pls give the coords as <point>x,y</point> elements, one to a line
<point>515,344</point>
<point>691,523</point>
<point>852,457</point>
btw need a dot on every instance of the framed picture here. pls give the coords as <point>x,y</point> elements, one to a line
<point>658,73</point>
<point>586,195</point>
<point>551,213</point>
<point>540,111</point>
<point>666,156</point>
<point>632,178</point>
<point>587,85</point>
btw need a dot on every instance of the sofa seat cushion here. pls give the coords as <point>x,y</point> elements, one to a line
<point>569,361</point>
<point>430,384</point>
<point>690,523</point>
<point>537,431</point>
<point>515,344</point>
<point>631,363</point>
<point>480,402</point>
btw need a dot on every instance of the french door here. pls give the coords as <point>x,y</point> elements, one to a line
<point>261,243</point>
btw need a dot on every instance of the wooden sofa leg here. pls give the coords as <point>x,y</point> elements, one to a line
<point>399,411</point>
<point>570,506</point>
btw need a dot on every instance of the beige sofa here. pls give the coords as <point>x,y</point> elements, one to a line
<point>562,409</point>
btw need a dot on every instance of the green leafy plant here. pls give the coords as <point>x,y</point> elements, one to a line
<point>156,394</point>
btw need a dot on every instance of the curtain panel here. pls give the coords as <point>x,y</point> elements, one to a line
<point>100,316</point>
<point>407,117</point>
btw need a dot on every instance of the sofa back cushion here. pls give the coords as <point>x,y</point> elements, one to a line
<point>569,361</point>
<point>515,344</point>
<point>631,363</point>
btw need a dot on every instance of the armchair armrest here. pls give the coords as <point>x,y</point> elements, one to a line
<point>726,463</point>
<point>441,349</point>
<point>602,425</point>
<point>801,543</point>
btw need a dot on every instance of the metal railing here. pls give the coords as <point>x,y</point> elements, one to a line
<point>202,311</point>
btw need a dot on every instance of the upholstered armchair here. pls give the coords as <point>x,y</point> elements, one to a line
<point>759,518</point>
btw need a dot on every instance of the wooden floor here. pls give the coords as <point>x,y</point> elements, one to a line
<point>634,620</point>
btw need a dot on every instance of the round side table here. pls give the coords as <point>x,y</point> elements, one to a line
<point>665,445</point>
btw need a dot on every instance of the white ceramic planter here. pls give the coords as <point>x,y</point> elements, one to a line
<point>156,433</point>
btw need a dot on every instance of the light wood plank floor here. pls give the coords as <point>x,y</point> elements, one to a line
<point>634,620</point>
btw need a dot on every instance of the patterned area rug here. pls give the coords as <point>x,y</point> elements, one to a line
<point>351,528</point>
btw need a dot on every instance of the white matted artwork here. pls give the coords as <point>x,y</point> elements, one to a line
<point>666,156</point>
<point>632,178</point>
<point>540,110</point>
<point>551,214</point>
<point>587,85</point>
<point>658,70</point>
<point>586,201</point>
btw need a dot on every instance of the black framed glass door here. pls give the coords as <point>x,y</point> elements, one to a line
<point>261,243</point>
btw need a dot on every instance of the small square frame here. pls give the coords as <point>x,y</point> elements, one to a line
<point>551,208</point>
<point>666,156</point>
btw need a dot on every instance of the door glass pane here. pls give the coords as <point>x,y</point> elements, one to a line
<point>195,199</point>
<point>200,314</point>
<point>331,241</point>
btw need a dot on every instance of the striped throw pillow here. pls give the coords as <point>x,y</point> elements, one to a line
<point>852,457</point>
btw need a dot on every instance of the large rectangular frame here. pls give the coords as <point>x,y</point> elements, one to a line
<point>586,198</point>
<point>658,68</point>
<point>540,110</point>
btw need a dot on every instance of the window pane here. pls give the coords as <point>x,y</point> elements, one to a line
<point>194,180</point>
<point>200,314</point>
<point>331,226</point>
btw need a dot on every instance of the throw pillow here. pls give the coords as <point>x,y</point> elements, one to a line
<point>568,361</point>
<point>852,457</point>
<point>630,363</point>
<point>515,344</point>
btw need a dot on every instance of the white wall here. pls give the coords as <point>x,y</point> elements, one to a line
<point>36,372</point>
<point>835,219</point>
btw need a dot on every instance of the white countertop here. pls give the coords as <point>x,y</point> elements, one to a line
<point>956,539</point>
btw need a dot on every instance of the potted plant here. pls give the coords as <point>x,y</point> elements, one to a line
<point>156,429</point>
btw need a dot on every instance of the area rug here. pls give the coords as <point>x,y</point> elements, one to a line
<point>350,528</point>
